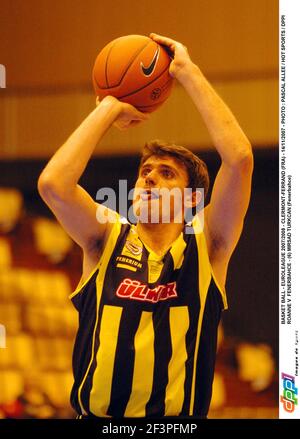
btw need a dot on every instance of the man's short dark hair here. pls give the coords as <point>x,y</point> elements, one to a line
<point>196,168</point>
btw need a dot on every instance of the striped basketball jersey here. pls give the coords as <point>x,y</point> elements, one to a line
<point>147,337</point>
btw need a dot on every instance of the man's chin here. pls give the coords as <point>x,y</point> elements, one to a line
<point>151,212</point>
<point>147,209</point>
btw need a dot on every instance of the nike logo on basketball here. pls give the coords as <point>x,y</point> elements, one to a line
<point>149,70</point>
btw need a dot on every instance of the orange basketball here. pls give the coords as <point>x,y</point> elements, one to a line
<point>134,69</point>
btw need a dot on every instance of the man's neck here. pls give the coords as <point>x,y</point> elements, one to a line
<point>159,237</point>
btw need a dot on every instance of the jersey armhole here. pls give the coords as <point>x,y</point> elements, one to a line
<point>80,285</point>
<point>198,224</point>
<point>222,291</point>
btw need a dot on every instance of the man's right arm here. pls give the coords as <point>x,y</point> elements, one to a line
<point>58,183</point>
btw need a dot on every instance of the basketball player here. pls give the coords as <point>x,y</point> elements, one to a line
<point>151,294</point>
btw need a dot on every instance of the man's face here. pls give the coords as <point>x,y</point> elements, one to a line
<point>159,190</point>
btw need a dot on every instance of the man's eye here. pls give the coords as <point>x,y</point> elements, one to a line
<point>167,173</point>
<point>145,171</point>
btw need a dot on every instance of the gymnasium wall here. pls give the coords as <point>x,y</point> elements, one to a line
<point>48,49</point>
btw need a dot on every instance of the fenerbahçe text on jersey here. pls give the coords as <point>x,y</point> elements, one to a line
<point>147,337</point>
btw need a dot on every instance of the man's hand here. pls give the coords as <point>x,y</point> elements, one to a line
<point>182,62</point>
<point>126,115</point>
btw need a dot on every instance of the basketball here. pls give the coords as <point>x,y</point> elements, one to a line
<point>134,69</point>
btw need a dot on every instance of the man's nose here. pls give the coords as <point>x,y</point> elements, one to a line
<point>151,178</point>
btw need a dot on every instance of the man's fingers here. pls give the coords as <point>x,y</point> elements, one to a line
<point>163,40</point>
<point>122,126</point>
<point>140,116</point>
<point>168,42</point>
<point>143,116</point>
<point>135,122</point>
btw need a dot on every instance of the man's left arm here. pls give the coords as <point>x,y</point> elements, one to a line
<point>230,197</point>
<point>224,216</point>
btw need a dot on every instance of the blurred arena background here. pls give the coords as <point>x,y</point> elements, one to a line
<point>48,49</point>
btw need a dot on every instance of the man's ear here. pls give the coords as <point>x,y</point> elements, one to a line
<point>193,198</point>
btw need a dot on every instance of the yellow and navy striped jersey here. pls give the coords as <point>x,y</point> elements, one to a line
<point>147,336</point>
